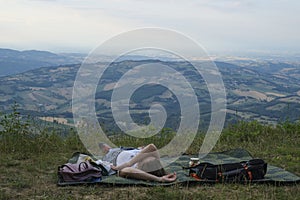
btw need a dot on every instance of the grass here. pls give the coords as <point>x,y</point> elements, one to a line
<point>28,163</point>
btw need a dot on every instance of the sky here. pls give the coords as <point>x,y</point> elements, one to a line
<point>218,25</point>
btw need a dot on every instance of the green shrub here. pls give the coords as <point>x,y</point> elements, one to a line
<point>19,134</point>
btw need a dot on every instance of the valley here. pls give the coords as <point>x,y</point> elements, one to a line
<point>254,92</point>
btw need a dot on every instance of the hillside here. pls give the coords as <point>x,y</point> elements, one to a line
<point>29,163</point>
<point>13,61</point>
<point>267,92</point>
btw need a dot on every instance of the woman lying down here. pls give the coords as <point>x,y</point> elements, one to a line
<point>141,163</point>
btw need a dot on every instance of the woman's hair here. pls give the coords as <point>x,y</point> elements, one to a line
<point>101,145</point>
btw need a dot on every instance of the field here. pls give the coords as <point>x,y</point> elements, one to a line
<point>28,163</point>
<point>264,91</point>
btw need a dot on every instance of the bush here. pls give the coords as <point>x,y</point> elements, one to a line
<point>246,131</point>
<point>22,135</point>
<point>12,123</point>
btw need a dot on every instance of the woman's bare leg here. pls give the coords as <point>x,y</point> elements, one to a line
<point>131,172</point>
<point>148,151</point>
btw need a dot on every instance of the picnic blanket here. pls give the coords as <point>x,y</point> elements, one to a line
<point>274,175</point>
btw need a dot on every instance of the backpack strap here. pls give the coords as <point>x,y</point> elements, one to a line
<point>84,167</point>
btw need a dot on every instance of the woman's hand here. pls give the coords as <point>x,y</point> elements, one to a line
<point>169,177</point>
<point>118,168</point>
<point>114,167</point>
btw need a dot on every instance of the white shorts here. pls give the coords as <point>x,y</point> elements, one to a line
<point>126,156</point>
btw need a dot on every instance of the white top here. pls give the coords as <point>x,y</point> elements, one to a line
<point>126,156</point>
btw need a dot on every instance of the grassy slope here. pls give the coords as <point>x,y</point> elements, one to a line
<point>28,166</point>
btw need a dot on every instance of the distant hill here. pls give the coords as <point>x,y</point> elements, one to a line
<point>13,61</point>
<point>253,93</point>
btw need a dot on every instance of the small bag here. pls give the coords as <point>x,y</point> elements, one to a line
<point>254,169</point>
<point>83,171</point>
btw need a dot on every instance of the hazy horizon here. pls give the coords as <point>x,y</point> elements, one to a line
<point>283,56</point>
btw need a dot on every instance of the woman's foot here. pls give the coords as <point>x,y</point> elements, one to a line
<point>168,178</point>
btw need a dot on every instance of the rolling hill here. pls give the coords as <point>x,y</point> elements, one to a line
<point>255,91</point>
<point>14,62</point>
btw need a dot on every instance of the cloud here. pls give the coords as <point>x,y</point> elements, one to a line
<point>43,23</point>
<point>217,24</point>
